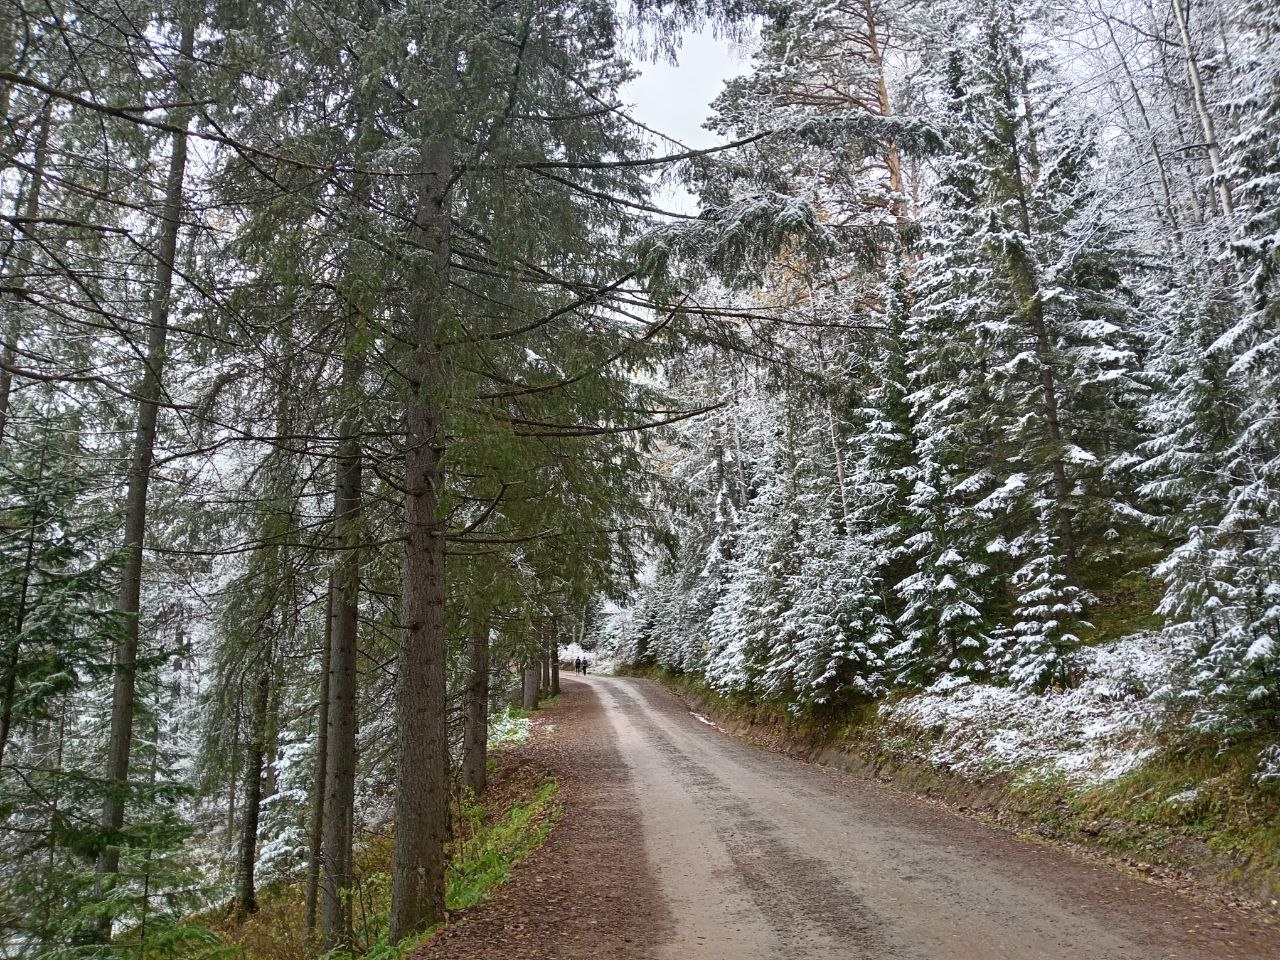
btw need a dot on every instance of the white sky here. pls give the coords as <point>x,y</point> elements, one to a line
<point>675,99</point>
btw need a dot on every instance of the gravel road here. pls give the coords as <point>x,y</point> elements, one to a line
<point>758,855</point>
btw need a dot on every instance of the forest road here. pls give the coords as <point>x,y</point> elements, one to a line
<point>758,855</point>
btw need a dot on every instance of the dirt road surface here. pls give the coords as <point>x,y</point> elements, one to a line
<point>757,855</point>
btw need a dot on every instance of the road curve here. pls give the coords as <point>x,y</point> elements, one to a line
<point>762,856</point>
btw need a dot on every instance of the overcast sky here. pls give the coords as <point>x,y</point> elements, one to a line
<point>675,99</point>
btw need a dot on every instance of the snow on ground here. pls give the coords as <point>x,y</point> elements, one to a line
<point>1094,732</point>
<point>508,728</point>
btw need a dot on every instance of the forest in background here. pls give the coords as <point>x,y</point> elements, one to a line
<point>1016,432</point>
<point>351,368</point>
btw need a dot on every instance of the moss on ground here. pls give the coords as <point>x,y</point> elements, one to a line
<point>1200,790</point>
<point>1125,605</point>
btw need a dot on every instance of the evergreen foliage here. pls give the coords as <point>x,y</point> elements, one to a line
<point>350,368</point>
<point>1005,375</point>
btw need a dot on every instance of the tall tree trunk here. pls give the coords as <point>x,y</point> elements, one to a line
<point>555,667</point>
<point>30,213</point>
<point>314,835</point>
<point>13,53</point>
<point>13,656</point>
<point>233,777</point>
<point>546,668</point>
<point>422,787</point>
<point>149,391</point>
<point>1065,515</point>
<point>892,155</point>
<point>475,713</point>
<point>255,756</point>
<point>1201,104</point>
<point>1026,285</point>
<point>530,689</point>
<point>340,774</point>
<point>8,49</point>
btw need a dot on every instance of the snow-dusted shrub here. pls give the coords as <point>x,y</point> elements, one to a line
<point>1098,730</point>
<point>508,728</point>
<point>1269,767</point>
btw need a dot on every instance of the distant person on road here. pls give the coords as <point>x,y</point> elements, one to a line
<point>584,666</point>
<point>577,664</point>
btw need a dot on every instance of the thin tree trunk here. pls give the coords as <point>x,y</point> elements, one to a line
<point>340,774</point>
<point>14,654</point>
<point>555,668</point>
<point>422,788</point>
<point>31,213</point>
<point>1201,105</point>
<point>149,391</point>
<point>246,892</point>
<point>11,52</point>
<point>46,925</point>
<point>321,769</point>
<point>1161,167</point>
<point>833,432</point>
<point>1027,286</point>
<point>475,716</point>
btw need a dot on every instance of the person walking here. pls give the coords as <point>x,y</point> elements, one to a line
<point>577,664</point>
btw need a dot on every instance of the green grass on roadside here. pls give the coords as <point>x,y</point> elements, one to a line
<point>1197,790</point>
<point>485,849</point>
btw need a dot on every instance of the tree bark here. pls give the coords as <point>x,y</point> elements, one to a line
<point>475,716</point>
<point>1201,104</point>
<point>8,47</point>
<point>31,212</point>
<point>1026,284</point>
<point>246,892</point>
<point>233,778</point>
<point>555,669</point>
<point>315,837</point>
<point>149,390</point>
<point>531,672</point>
<point>892,155</point>
<point>422,788</point>
<point>13,658</point>
<point>340,771</point>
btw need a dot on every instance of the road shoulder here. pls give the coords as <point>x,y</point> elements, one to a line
<point>588,891</point>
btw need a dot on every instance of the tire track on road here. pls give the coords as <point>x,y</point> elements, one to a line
<point>811,910</point>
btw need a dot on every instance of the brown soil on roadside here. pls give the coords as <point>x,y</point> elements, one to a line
<point>587,892</point>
